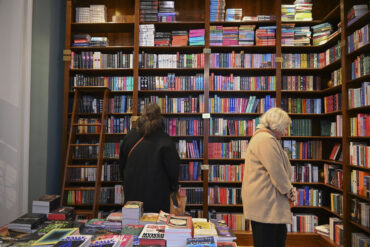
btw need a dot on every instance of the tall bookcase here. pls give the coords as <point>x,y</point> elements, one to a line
<point>124,37</point>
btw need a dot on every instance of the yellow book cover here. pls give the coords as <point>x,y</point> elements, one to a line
<point>54,236</point>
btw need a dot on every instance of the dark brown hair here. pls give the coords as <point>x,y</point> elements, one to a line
<point>150,120</point>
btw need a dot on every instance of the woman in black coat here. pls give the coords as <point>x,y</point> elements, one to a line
<point>151,171</point>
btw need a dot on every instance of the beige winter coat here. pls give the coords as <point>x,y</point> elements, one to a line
<point>266,180</point>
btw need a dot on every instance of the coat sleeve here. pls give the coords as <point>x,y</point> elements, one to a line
<point>171,161</point>
<point>268,152</point>
<point>122,157</point>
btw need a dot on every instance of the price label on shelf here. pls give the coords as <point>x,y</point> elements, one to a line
<point>66,58</point>
<point>204,167</point>
<point>278,59</point>
<point>206,115</point>
<point>206,51</point>
<point>67,52</point>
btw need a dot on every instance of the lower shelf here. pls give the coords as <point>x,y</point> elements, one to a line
<point>245,238</point>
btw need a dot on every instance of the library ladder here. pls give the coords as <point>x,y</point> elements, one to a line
<point>87,210</point>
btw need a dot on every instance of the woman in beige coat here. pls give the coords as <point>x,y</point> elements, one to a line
<point>266,188</point>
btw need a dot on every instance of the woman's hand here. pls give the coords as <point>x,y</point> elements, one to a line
<point>292,194</point>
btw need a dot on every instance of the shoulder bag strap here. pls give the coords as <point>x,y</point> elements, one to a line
<point>137,143</point>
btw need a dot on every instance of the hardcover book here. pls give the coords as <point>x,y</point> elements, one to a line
<point>54,236</point>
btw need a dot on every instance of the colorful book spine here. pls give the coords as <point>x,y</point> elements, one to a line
<point>191,104</point>
<point>226,173</point>
<point>242,60</point>
<point>236,83</point>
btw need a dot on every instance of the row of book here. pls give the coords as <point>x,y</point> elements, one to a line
<point>358,97</point>
<point>111,150</point>
<point>360,125</point>
<point>114,83</point>
<point>359,154</point>
<point>190,149</point>
<point>194,195</point>
<point>360,183</point>
<point>110,172</point>
<point>172,82</point>
<point>242,35</point>
<point>242,60</point>
<point>224,195</point>
<point>331,128</point>
<point>118,125</point>
<point>360,66</point>
<point>305,173</point>
<point>299,11</point>
<point>302,150</point>
<point>85,40</point>
<point>241,105</point>
<point>233,126</point>
<point>191,171</point>
<point>226,173</point>
<point>108,195</point>
<point>236,83</point>
<point>300,127</point>
<point>335,78</point>
<point>234,149</point>
<point>236,221</point>
<point>355,12</point>
<point>336,203</point>
<point>311,60</point>
<point>360,212</point>
<point>84,127</point>
<point>90,104</point>
<point>301,83</point>
<point>120,104</point>
<point>307,196</point>
<point>217,10</point>
<point>333,175</point>
<point>89,150</point>
<point>333,103</point>
<point>149,60</point>
<point>302,105</point>
<point>80,197</point>
<point>191,104</point>
<point>184,126</point>
<point>148,36</point>
<point>359,38</point>
<point>99,60</point>
<point>153,11</point>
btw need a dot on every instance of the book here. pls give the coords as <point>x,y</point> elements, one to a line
<point>54,236</point>
<point>149,218</point>
<point>75,241</point>
<point>27,222</point>
<point>162,218</point>
<point>179,221</point>
<point>203,241</point>
<point>62,213</point>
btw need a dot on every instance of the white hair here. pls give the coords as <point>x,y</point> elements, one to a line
<point>276,120</point>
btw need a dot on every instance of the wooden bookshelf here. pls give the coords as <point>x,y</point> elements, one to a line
<point>196,14</point>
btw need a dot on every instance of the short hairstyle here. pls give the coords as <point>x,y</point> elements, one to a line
<point>150,119</point>
<point>276,120</point>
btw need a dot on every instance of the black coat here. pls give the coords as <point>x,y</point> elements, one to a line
<point>151,172</point>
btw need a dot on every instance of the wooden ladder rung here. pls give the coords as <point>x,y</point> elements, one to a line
<point>80,188</point>
<point>82,166</point>
<point>87,124</point>
<point>84,145</point>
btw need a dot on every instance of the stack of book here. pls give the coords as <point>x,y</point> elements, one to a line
<point>246,34</point>
<point>166,11</point>
<point>230,36</point>
<point>234,14</point>
<point>266,18</point>
<point>217,10</point>
<point>196,37</point>
<point>148,218</point>
<point>132,212</point>
<point>178,230</point>
<point>153,234</point>
<point>179,38</point>
<point>83,15</point>
<point>27,222</point>
<point>146,35</point>
<point>303,10</point>
<point>302,36</point>
<point>81,40</point>
<point>224,233</point>
<point>216,35</point>
<point>321,33</point>
<point>287,34</point>
<point>148,10</point>
<point>162,39</point>
<point>98,14</point>
<point>45,204</point>
<point>99,41</point>
<point>287,12</point>
<point>62,213</point>
<point>203,228</point>
<point>75,240</point>
<point>202,242</point>
<point>114,221</point>
<point>266,35</point>
<point>356,12</point>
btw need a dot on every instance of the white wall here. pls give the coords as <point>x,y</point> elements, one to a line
<point>15,67</point>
